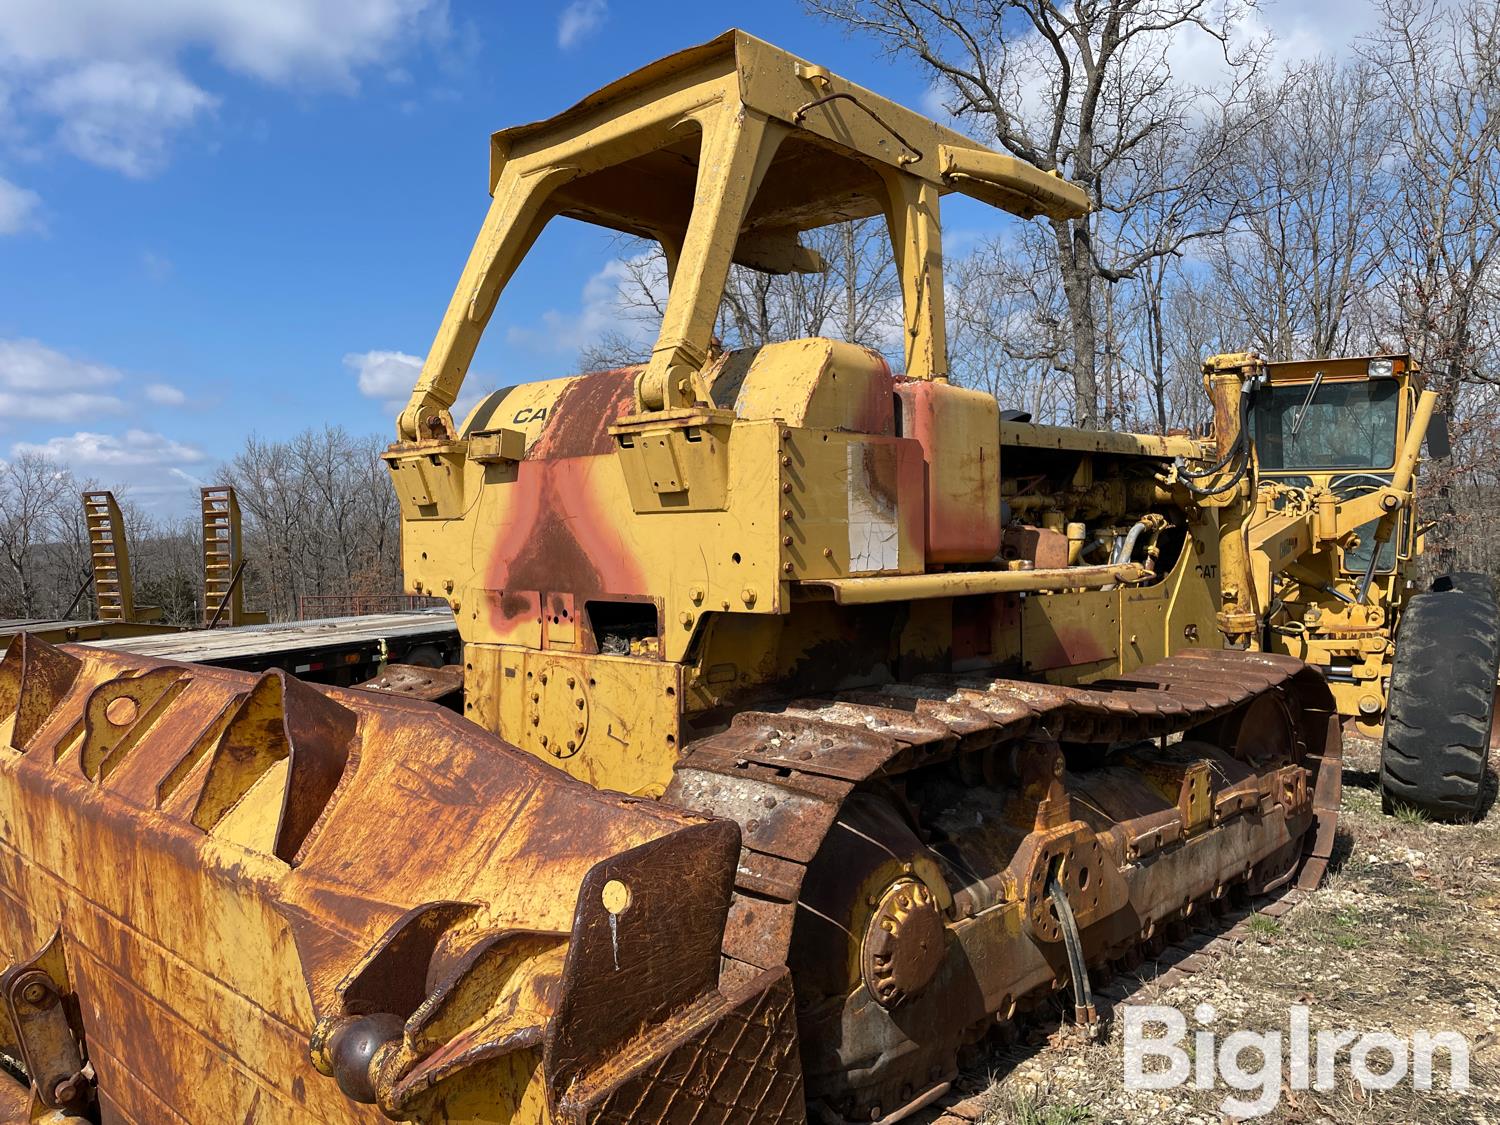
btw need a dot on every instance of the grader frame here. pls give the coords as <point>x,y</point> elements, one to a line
<point>1334,536</point>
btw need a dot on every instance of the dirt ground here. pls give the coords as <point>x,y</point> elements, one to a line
<point>1404,934</point>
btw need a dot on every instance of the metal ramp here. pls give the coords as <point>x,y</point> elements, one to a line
<point>224,562</point>
<point>109,553</point>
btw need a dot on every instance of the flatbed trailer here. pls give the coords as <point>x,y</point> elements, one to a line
<point>64,631</point>
<point>334,650</point>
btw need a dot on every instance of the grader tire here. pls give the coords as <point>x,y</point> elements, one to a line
<point>1468,581</point>
<point>1442,703</point>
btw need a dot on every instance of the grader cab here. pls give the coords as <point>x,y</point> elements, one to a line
<point>821,723</point>
<point>1335,538</point>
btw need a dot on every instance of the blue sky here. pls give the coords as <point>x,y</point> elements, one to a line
<point>220,217</point>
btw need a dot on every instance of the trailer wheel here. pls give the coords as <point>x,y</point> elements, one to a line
<point>1442,703</point>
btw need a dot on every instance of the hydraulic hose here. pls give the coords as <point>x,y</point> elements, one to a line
<point>1127,548</point>
<point>1240,450</point>
<point>1084,1011</point>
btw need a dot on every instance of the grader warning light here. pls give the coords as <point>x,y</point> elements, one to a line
<point>822,721</point>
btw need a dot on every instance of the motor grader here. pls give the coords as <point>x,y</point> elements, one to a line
<point>1335,538</point>
<point>819,723</point>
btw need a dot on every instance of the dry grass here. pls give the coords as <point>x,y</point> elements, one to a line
<point>1405,934</point>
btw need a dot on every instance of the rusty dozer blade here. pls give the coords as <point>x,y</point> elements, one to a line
<point>261,900</point>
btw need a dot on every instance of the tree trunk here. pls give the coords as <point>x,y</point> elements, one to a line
<point>1076,266</point>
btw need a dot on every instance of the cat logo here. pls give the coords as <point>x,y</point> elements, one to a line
<point>527,414</point>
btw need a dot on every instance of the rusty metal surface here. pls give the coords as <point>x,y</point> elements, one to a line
<point>15,1102</point>
<point>243,850</point>
<point>44,1023</point>
<point>1233,811</point>
<point>48,674</point>
<point>1161,962</point>
<point>735,1063</point>
<point>431,919</point>
<point>416,682</point>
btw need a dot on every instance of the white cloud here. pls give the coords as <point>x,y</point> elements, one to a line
<point>122,115</point>
<point>164,394</point>
<point>385,375</point>
<point>390,376</point>
<point>280,41</point>
<point>1329,27</point>
<point>614,304</point>
<point>29,365</point>
<point>51,407</point>
<point>85,450</point>
<point>579,20</point>
<point>45,384</point>
<point>20,208</point>
<point>106,78</point>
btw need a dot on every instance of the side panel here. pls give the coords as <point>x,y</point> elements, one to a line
<point>608,720</point>
<point>959,432</point>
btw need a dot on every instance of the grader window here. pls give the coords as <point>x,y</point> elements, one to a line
<point>1326,425</point>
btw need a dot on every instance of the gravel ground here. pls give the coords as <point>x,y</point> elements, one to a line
<point>1404,935</point>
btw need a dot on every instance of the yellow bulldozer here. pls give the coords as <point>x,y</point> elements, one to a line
<point>1335,538</point>
<point>818,722</point>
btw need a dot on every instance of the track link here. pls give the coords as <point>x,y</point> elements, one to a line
<point>784,775</point>
<point>787,776</point>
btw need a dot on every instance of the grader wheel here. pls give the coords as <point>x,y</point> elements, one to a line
<point>1442,709</point>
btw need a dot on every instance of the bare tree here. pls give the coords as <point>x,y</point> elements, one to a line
<point>34,490</point>
<point>1007,322</point>
<point>321,518</point>
<point>1081,89</point>
<point>1443,62</point>
<point>1296,268</point>
<point>857,297</point>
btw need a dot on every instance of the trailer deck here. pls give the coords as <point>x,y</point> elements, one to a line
<point>338,650</point>
<point>68,631</point>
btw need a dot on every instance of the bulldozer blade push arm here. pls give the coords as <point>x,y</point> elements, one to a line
<point>256,886</point>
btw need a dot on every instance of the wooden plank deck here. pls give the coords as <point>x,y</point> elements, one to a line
<point>214,646</point>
